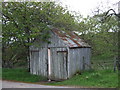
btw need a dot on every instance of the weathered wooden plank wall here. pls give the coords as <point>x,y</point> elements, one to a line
<point>58,63</point>
<point>61,67</point>
<point>55,41</point>
<point>76,63</point>
<point>38,62</point>
<point>39,66</point>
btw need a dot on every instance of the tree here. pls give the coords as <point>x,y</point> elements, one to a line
<point>106,16</point>
<point>101,36</point>
<point>23,22</point>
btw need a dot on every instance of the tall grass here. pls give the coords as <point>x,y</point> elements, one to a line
<point>20,75</point>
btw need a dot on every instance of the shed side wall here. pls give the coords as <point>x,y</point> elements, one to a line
<point>79,59</point>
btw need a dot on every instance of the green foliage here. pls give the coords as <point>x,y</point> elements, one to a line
<point>103,37</point>
<point>24,22</point>
<point>27,20</point>
<point>103,78</point>
<point>20,74</point>
<point>13,55</point>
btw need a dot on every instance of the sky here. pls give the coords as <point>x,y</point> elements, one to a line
<point>86,7</point>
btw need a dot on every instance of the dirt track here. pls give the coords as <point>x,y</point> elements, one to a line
<point>11,84</point>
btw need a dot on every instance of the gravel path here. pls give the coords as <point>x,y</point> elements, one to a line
<point>11,84</point>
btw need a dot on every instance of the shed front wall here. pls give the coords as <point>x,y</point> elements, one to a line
<point>79,59</point>
<point>39,55</point>
<point>58,63</point>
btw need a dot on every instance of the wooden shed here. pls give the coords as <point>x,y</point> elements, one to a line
<point>66,55</point>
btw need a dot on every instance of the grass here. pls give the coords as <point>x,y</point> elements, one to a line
<point>93,78</point>
<point>20,75</point>
<point>101,78</point>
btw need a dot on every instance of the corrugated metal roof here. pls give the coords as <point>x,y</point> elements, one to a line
<point>70,38</point>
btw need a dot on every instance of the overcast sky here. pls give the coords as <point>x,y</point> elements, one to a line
<point>85,7</point>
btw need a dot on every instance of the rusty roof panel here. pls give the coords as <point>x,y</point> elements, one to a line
<point>70,38</point>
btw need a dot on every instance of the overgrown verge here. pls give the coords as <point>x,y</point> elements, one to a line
<point>20,75</point>
<point>101,78</point>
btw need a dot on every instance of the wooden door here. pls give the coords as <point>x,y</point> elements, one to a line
<point>39,62</point>
<point>58,61</point>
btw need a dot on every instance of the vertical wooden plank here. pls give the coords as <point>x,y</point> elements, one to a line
<point>58,72</point>
<point>55,64</point>
<point>58,63</point>
<point>40,61</point>
<point>33,65</point>
<point>30,62</point>
<point>43,61</point>
<point>46,61</point>
<point>36,62</point>
<point>61,64</point>
<point>33,62</point>
<point>37,58</point>
<point>68,63</point>
<point>52,64</point>
<point>80,62</point>
<point>73,61</point>
<point>65,66</point>
<point>42,64</point>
